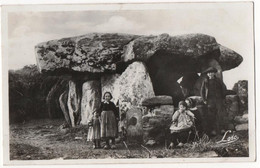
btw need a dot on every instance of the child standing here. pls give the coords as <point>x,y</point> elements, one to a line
<point>94,131</point>
<point>182,122</point>
<point>109,117</point>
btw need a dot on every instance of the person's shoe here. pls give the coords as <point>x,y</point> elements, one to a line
<point>113,146</point>
<point>94,147</point>
<point>106,147</point>
<point>171,145</point>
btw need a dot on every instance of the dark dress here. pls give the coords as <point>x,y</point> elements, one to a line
<point>213,91</point>
<point>109,115</point>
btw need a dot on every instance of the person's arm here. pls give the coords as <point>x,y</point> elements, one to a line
<point>190,113</point>
<point>175,116</point>
<point>115,110</point>
<point>100,109</point>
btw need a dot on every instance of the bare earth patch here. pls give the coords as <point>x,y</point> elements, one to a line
<point>44,140</point>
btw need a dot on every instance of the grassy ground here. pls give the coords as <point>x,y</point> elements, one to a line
<point>43,140</point>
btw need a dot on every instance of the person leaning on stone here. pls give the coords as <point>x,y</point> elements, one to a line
<point>198,122</point>
<point>213,94</point>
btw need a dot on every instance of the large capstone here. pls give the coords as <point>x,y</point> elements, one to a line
<point>91,100</point>
<point>97,52</point>
<point>89,53</point>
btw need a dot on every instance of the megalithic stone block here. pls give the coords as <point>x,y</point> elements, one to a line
<point>91,100</point>
<point>73,102</point>
<point>134,125</point>
<point>99,52</point>
<point>63,99</point>
<point>134,85</point>
<point>108,85</point>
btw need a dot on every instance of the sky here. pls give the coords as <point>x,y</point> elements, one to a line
<point>230,23</point>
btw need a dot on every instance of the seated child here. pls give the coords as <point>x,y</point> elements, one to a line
<point>182,124</point>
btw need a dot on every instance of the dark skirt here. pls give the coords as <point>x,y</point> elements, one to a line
<point>108,124</point>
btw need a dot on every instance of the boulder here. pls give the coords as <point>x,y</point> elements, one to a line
<point>52,99</point>
<point>241,88</point>
<point>166,110</point>
<point>98,52</point>
<point>157,100</point>
<point>190,45</point>
<point>90,102</point>
<point>240,120</point>
<point>74,99</point>
<point>245,116</point>
<point>232,106</point>
<point>242,127</point>
<point>134,125</point>
<point>108,85</point>
<point>157,122</point>
<point>63,99</point>
<point>134,85</point>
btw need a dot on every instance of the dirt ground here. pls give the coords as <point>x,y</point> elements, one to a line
<point>44,140</point>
